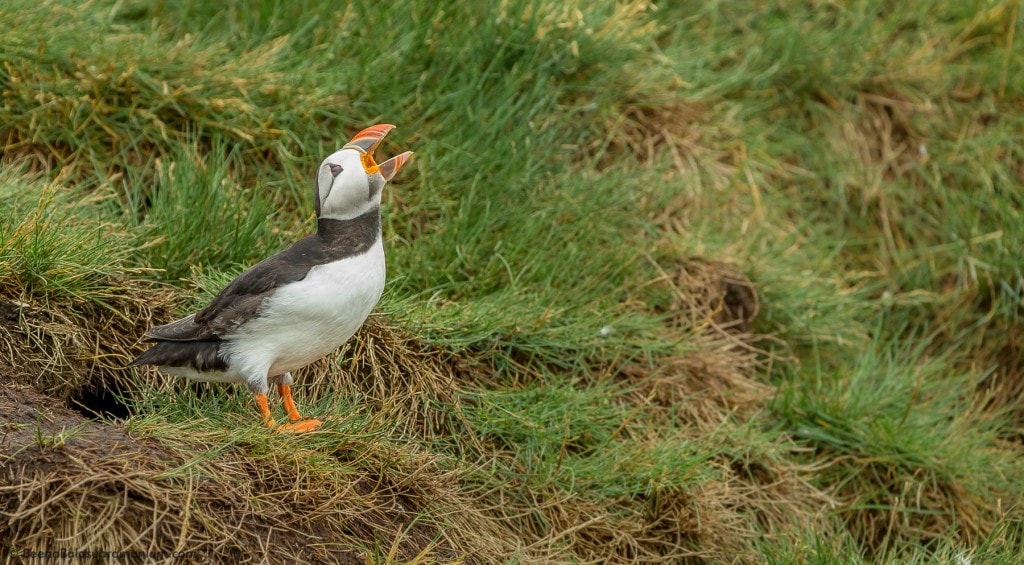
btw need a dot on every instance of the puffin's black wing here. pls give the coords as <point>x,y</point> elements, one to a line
<point>242,300</point>
<point>195,340</point>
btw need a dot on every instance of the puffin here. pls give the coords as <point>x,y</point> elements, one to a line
<point>299,305</point>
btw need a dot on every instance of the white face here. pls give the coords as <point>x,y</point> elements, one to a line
<point>344,190</point>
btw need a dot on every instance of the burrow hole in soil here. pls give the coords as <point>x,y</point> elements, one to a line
<point>106,401</point>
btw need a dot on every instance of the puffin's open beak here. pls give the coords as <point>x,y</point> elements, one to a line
<point>390,167</point>
<point>367,141</point>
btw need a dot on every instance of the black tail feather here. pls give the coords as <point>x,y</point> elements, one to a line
<point>197,355</point>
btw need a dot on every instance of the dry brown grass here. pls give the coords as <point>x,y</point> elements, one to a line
<point>882,502</point>
<point>720,385</point>
<point>884,146</point>
<point>399,377</point>
<point>73,484</point>
<point>689,131</point>
<point>63,348</point>
<point>717,522</point>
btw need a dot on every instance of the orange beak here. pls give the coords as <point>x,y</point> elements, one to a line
<point>367,141</point>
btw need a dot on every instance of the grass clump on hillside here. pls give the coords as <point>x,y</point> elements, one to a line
<point>912,436</point>
<point>666,282</point>
<point>48,249</point>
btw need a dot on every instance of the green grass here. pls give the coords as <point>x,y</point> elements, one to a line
<point>861,163</point>
<point>912,435</point>
<point>173,232</point>
<point>582,441</point>
<point>55,244</point>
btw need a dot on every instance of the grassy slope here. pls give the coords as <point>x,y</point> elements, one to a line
<point>861,164</point>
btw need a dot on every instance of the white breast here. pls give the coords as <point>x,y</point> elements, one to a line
<point>308,319</point>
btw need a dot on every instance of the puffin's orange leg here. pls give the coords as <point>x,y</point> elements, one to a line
<point>261,402</point>
<point>289,404</point>
<point>297,424</point>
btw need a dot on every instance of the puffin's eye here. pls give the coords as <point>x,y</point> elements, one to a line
<point>335,170</point>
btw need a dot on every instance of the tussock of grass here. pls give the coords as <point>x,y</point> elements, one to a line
<point>71,304</point>
<point>69,349</point>
<point>221,496</point>
<point>905,468</point>
<point>47,249</point>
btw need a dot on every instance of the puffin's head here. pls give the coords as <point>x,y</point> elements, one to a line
<point>349,182</point>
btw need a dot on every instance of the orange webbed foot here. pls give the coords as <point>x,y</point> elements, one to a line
<point>296,424</point>
<point>302,426</point>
